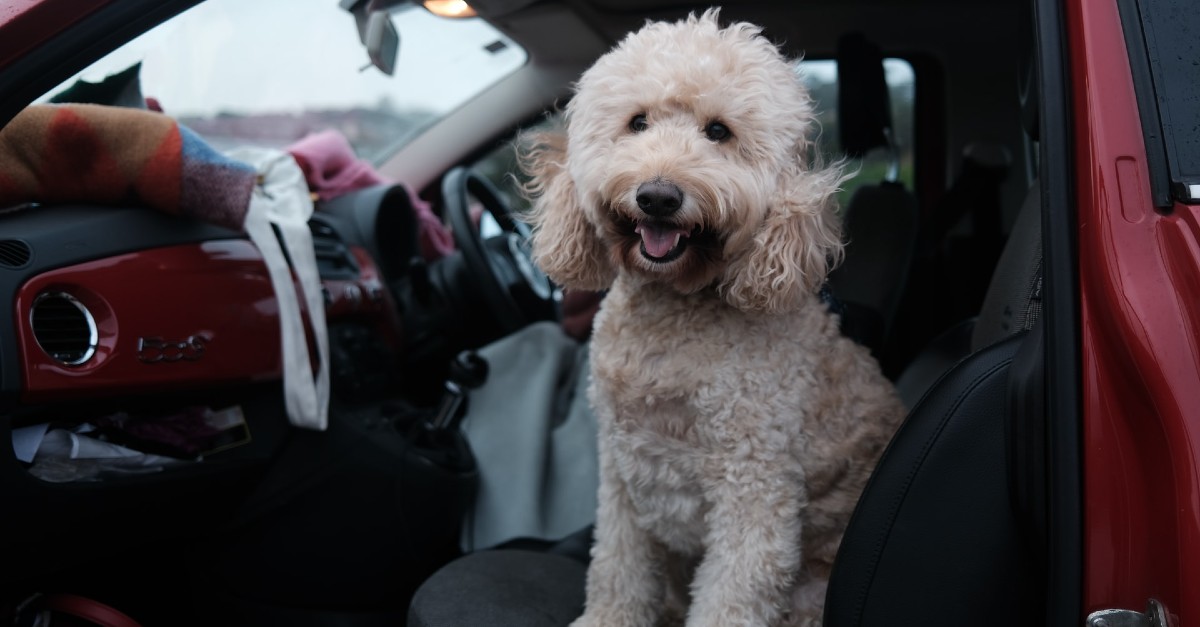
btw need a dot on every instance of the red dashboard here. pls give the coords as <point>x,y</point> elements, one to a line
<point>176,317</point>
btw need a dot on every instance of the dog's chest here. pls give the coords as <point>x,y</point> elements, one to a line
<point>667,377</point>
<point>652,366</point>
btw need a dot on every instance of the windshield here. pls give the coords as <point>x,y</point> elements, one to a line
<point>269,72</point>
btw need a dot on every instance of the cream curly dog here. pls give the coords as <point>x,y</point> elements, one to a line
<point>737,426</point>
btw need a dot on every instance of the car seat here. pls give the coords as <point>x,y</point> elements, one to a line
<point>951,529</point>
<point>940,535</point>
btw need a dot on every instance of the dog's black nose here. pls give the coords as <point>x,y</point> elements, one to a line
<point>659,198</point>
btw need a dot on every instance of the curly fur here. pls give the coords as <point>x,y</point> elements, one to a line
<point>737,426</point>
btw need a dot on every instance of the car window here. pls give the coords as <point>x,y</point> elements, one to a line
<point>1161,38</point>
<point>500,165</point>
<point>270,72</point>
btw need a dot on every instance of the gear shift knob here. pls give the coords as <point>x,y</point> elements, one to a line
<point>467,372</point>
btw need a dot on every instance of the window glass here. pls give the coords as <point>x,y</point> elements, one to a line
<point>821,78</point>
<point>269,72</point>
<point>1169,29</point>
<point>501,167</point>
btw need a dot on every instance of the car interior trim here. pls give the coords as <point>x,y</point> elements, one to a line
<point>1063,383</point>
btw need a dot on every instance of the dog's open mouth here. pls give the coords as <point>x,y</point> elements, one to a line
<point>663,242</point>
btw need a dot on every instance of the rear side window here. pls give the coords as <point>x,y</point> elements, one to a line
<point>1163,38</point>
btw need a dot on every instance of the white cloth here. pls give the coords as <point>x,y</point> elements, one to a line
<point>281,199</point>
<point>66,456</point>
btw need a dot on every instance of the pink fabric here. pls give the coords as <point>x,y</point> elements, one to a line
<point>332,169</point>
<point>578,311</point>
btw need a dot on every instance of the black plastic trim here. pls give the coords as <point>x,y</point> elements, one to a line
<point>15,254</point>
<point>1143,87</point>
<point>1026,438</point>
<point>1063,396</point>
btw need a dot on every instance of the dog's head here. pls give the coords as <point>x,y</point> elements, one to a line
<point>684,163</point>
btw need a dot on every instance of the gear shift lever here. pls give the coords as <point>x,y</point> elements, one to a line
<point>467,372</point>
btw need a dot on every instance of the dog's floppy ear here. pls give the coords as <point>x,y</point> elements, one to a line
<point>793,250</point>
<point>565,243</point>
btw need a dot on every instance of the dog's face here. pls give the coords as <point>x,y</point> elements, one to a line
<point>683,166</point>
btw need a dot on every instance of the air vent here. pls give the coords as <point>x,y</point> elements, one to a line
<point>334,260</point>
<point>14,253</point>
<point>64,328</point>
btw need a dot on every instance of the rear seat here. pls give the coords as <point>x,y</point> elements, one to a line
<point>882,220</point>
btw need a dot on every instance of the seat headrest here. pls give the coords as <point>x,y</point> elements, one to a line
<point>864,110</point>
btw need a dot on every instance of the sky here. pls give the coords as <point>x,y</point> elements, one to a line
<point>286,55</point>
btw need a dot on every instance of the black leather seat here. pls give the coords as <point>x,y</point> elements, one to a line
<point>937,537</point>
<point>934,539</point>
<point>513,588</point>
<point>1011,304</point>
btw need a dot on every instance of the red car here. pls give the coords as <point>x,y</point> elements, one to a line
<point>1024,261</point>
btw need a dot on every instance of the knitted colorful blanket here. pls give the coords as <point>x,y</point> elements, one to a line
<point>119,156</point>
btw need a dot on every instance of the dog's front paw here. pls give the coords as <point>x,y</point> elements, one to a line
<point>615,619</point>
<point>585,621</point>
<point>591,620</point>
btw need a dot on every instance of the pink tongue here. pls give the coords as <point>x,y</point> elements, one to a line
<point>659,240</point>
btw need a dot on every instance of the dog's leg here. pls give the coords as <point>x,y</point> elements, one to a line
<point>752,545</point>
<point>625,579</point>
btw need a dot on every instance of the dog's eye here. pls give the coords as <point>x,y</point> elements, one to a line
<point>717,132</point>
<point>638,123</point>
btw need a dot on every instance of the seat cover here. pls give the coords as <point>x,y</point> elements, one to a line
<point>881,223</point>
<point>501,588</point>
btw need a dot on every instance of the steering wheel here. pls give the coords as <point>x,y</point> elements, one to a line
<point>515,290</point>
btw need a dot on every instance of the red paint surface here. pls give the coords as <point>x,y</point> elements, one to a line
<point>1140,314</point>
<point>219,290</point>
<point>26,24</point>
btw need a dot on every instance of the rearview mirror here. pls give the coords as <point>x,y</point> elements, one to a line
<point>376,32</point>
<point>382,41</point>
